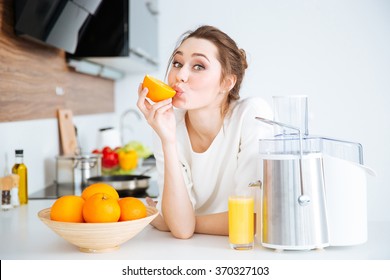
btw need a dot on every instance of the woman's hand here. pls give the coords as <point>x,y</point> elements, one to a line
<point>160,115</point>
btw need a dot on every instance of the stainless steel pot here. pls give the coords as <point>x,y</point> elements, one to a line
<point>126,185</point>
<point>76,169</point>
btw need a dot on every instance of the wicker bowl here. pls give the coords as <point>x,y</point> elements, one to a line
<point>98,237</point>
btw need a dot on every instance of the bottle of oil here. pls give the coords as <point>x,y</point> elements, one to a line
<point>20,169</point>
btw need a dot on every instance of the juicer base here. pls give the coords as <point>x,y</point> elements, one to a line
<point>280,248</point>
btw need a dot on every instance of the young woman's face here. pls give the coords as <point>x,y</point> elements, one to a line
<point>195,74</point>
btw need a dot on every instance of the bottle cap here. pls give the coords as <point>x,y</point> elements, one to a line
<point>18,152</point>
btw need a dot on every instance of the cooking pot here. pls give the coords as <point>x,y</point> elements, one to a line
<point>76,169</point>
<point>126,185</point>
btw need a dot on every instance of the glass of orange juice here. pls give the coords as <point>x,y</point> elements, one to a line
<point>241,222</point>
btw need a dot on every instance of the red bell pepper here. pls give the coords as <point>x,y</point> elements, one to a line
<point>110,158</point>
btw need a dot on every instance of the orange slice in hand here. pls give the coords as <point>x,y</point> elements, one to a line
<point>157,90</point>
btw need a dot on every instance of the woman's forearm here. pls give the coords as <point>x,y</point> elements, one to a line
<point>176,206</point>
<point>217,224</point>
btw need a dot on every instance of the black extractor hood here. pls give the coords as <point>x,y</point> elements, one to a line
<point>59,23</point>
<point>95,32</point>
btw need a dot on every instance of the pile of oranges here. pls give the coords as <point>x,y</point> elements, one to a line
<point>98,203</point>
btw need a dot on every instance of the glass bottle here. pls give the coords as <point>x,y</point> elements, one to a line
<point>20,169</point>
<point>5,199</point>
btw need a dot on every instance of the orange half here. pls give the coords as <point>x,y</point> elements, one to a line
<point>157,89</point>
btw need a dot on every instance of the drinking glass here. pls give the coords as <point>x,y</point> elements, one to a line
<point>241,222</point>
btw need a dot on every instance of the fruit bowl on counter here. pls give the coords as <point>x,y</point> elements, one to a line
<point>98,220</point>
<point>98,237</point>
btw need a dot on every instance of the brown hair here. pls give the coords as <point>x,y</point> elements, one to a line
<point>231,57</point>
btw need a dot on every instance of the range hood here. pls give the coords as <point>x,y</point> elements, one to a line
<point>100,37</point>
<point>141,54</point>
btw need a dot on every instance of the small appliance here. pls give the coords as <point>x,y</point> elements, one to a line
<point>313,192</point>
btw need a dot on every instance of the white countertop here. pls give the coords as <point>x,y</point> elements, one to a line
<point>24,237</point>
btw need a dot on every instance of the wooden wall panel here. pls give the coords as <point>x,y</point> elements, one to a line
<point>30,73</point>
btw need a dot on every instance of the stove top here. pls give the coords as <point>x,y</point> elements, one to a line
<point>55,191</point>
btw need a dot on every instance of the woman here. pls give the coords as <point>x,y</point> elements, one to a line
<point>207,146</point>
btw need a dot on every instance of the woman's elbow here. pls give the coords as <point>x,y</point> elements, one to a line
<point>182,234</point>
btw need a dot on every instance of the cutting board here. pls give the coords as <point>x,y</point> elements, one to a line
<point>67,132</point>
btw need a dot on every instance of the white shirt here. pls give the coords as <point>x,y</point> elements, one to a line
<point>229,164</point>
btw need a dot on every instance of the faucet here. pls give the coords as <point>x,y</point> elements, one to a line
<point>123,116</point>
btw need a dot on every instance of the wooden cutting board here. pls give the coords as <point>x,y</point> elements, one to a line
<point>67,132</point>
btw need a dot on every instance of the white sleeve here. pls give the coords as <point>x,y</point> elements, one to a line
<point>249,166</point>
<point>159,156</point>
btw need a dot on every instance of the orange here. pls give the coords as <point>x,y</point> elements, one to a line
<point>131,209</point>
<point>68,208</point>
<point>99,188</point>
<point>157,90</point>
<point>101,208</point>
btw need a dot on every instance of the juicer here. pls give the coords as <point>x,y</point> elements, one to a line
<point>313,193</point>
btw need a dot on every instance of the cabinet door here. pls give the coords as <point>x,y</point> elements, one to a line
<point>144,29</point>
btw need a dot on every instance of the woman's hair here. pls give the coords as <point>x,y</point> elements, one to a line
<point>231,57</point>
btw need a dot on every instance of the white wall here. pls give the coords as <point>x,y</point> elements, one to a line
<point>334,51</point>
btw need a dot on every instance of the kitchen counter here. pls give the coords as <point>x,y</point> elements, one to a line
<point>24,237</point>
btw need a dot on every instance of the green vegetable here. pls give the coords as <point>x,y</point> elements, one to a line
<point>141,150</point>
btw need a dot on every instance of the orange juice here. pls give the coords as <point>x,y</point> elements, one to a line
<point>241,222</point>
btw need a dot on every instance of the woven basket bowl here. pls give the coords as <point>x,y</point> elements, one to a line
<point>98,237</point>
